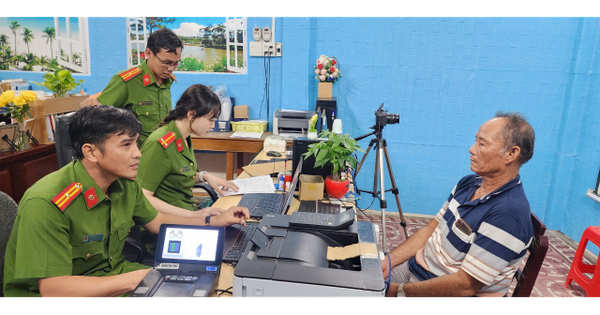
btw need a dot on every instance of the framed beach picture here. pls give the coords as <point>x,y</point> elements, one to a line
<point>39,43</point>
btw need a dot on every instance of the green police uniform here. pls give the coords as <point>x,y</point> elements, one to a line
<point>66,225</point>
<point>168,167</point>
<point>135,89</point>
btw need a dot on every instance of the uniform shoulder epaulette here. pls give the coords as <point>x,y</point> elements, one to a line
<point>130,74</point>
<point>64,198</point>
<point>167,139</point>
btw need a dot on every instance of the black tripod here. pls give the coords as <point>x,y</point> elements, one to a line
<point>381,149</point>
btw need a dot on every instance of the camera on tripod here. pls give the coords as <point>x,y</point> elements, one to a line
<point>383,118</point>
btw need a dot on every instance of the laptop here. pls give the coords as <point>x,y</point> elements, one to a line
<point>187,262</point>
<point>261,204</point>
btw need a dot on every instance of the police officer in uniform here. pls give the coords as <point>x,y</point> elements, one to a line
<point>145,90</point>
<point>168,168</point>
<point>71,225</point>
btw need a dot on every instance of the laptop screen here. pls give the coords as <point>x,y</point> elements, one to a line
<point>190,244</point>
<point>290,193</point>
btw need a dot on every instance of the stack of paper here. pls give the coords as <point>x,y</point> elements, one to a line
<point>257,184</point>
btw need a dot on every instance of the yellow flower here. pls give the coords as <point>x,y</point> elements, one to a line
<point>313,121</point>
<point>19,101</point>
<point>6,98</point>
<point>29,96</point>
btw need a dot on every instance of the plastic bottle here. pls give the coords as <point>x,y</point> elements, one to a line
<point>281,181</point>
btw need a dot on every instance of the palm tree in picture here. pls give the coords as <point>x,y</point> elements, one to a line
<point>30,61</point>
<point>14,26</point>
<point>5,58</point>
<point>50,36</point>
<point>44,61</point>
<point>3,40</point>
<point>27,37</point>
<point>77,59</point>
<point>17,59</point>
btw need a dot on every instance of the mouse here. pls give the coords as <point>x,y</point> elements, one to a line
<point>273,153</point>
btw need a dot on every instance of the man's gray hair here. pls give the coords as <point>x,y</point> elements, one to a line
<point>517,132</point>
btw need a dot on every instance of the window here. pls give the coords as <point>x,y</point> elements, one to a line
<point>72,43</point>
<point>137,34</point>
<point>236,43</point>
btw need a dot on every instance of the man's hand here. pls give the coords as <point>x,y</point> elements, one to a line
<point>385,264</point>
<point>210,211</point>
<point>233,215</point>
<point>220,185</point>
<point>90,101</point>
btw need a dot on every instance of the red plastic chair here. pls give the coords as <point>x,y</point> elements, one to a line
<point>578,267</point>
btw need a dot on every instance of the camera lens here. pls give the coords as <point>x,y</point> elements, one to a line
<point>393,119</point>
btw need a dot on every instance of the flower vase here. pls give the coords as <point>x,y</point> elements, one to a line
<point>336,188</point>
<point>21,140</point>
<point>312,135</point>
<point>325,90</point>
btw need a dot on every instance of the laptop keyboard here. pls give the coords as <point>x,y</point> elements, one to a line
<point>235,252</point>
<point>267,204</point>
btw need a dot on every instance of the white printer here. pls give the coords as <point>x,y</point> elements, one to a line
<point>291,123</point>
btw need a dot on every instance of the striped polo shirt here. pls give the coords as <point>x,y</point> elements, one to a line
<point>486,237</point>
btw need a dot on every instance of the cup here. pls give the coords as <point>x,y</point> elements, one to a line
<point>337,126</point>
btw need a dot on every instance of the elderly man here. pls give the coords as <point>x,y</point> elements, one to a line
<point>482,232</point>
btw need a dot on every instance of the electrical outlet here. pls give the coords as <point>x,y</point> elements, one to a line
<point>256,49</point>
<point>278,49</point>
<point>268,49</point>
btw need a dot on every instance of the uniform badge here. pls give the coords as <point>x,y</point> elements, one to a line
<point>167,139</point>
<point>91,199</point>
<point>184,169</point>
<point>146,78</point>
<point>65,197</point>
<point>179,145</point>
<point>145,103</point>
<point>173,77</point>
<point>92,238</point>
<point>130,74</point>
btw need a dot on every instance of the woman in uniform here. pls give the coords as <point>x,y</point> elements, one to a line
<point>168,171</point>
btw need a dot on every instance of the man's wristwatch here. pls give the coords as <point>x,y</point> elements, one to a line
<point>207,220</point>
<point>400,291</point>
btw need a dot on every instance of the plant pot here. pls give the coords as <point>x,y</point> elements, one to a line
<point>336,189</point>
<point>325,90</point>
<point>312,135</point>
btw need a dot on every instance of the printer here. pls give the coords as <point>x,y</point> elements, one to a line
<point>288,256</point>
<point>291,123</point>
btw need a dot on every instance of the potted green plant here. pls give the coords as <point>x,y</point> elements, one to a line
<point>336,151</point>
<point>60,82</point>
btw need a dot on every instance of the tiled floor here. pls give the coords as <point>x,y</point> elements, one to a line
<point>551,277</point>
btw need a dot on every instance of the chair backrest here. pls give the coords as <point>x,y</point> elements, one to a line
<point>8,213</point>
<point>537,252</point>
<point>64,152</point>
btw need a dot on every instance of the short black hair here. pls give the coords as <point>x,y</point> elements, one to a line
<point>96,124</point>
<point>163,38</point>
<point>198,98</point>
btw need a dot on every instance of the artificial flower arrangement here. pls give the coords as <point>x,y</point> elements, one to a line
<point>18,106</point>
<point>327,69</point>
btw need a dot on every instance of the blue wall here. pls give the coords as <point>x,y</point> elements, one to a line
<point>444,77</point>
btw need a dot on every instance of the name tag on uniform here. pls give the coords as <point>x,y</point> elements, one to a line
<point>184,169</point>
<point>92,238</point>
<point>145,103</point>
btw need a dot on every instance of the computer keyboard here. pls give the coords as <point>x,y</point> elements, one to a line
<point>266,204</point>
<point>234,253</point>
<point>180,278</point>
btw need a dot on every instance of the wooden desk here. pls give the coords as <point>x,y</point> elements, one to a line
<point>223,142</point>
<point>20,170</point>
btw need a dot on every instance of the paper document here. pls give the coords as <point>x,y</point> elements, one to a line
<point>245,134</point>
<point>257,184</point>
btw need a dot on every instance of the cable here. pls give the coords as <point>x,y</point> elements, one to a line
<point>225,291</point>
<point>389,277</point>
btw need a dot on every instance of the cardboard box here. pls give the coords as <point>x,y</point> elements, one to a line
<point>311,187</point>
<point>241,111</point>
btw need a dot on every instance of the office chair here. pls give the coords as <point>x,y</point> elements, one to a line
<point>64,152</point>
<point>8,213</point>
